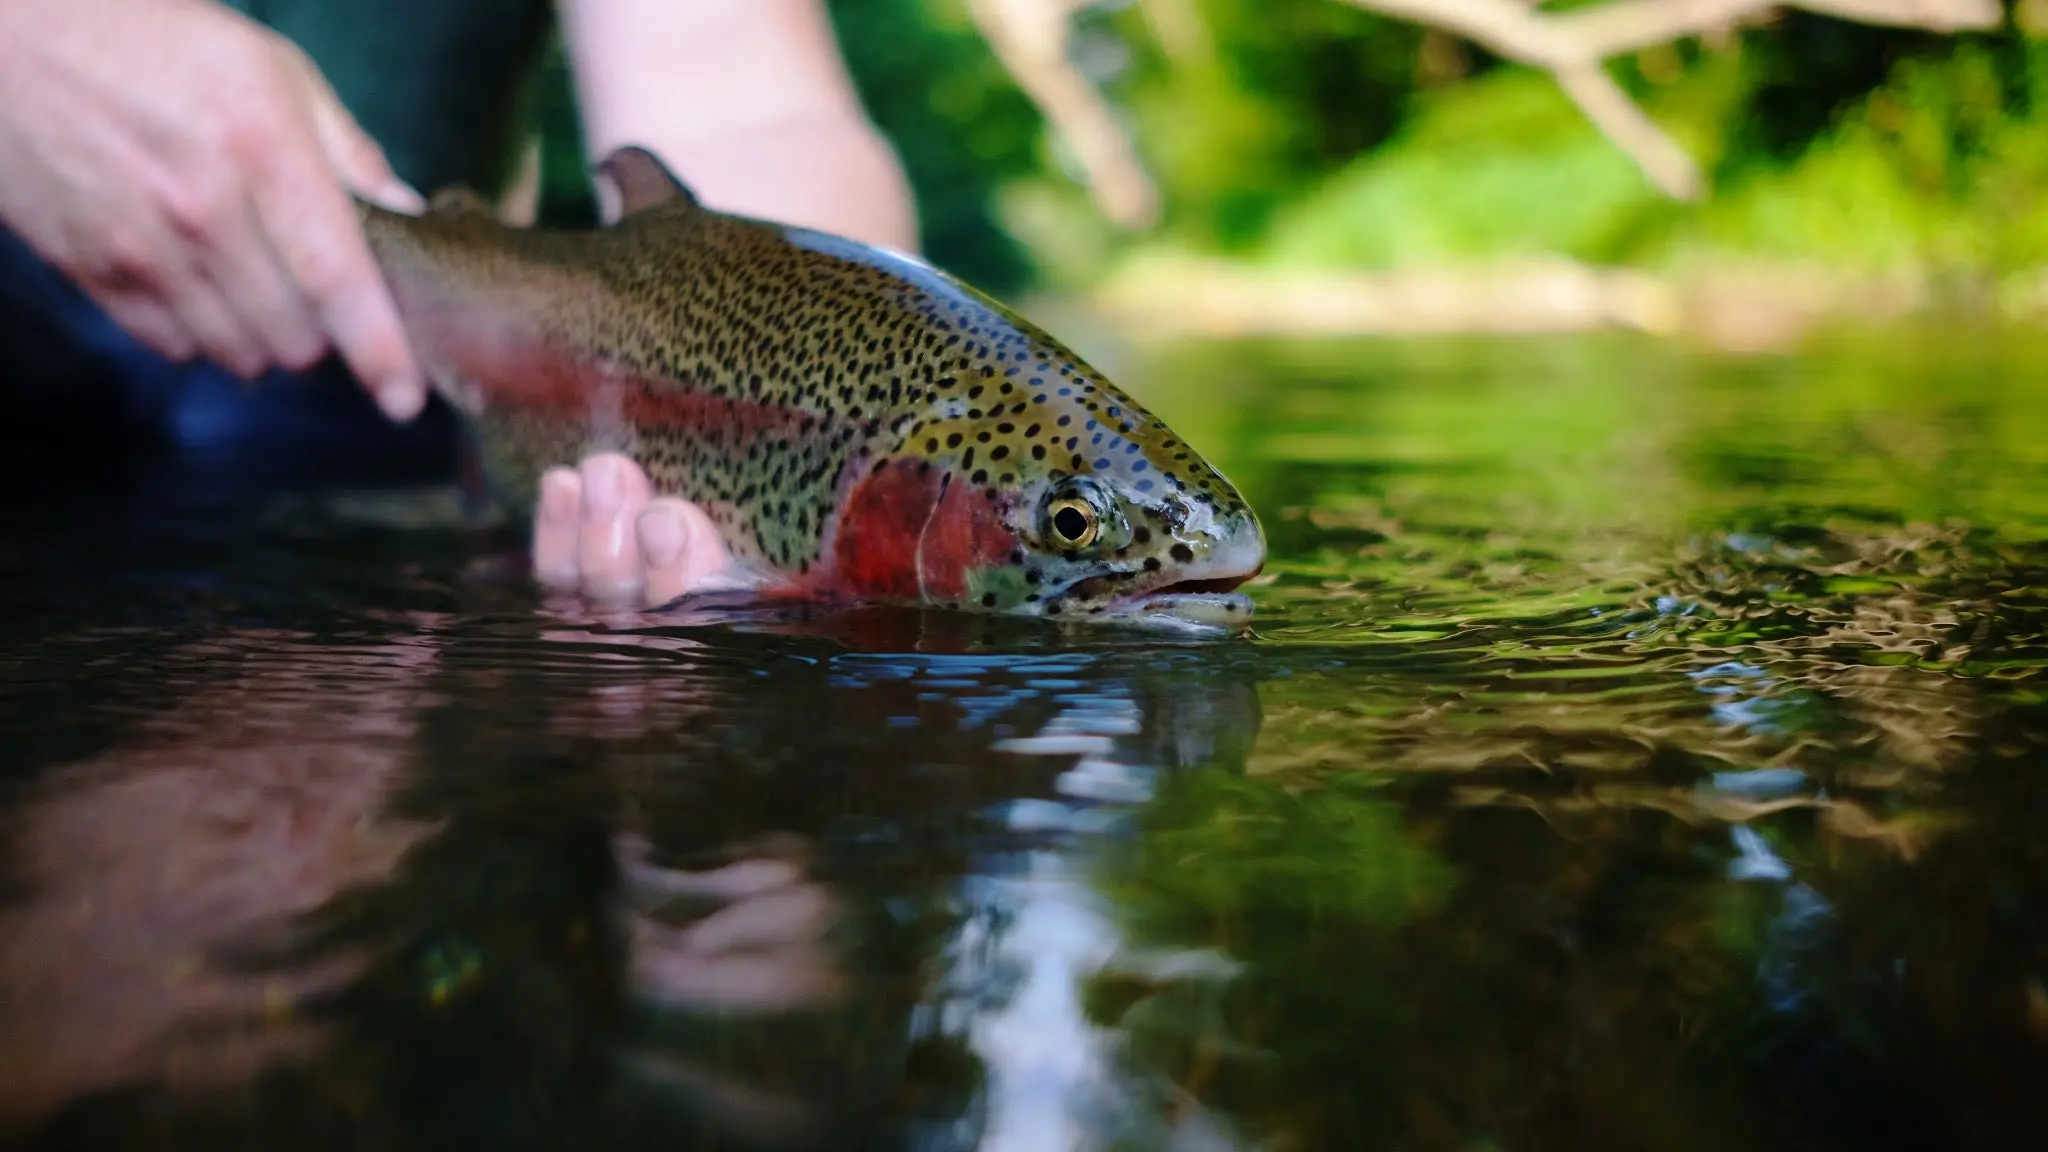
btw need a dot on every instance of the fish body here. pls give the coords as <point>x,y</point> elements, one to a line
<point>858,424</point>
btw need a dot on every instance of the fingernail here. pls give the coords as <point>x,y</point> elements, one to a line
<point>662,536</point>
<point>603,488</point>
<point>558,498</point>
<point>401,403</point>
<point>399,197</point>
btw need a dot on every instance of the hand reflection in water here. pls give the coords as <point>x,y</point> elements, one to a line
<point>750,933</point>
<point>758,943</point>
<point>226,826</point>
<point>144,868</point>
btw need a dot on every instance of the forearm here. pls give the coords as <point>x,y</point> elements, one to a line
<point>749,101</point>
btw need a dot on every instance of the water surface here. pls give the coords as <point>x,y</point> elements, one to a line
<point>1636,748</point>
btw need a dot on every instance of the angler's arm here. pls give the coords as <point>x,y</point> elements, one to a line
<point>749,101</point>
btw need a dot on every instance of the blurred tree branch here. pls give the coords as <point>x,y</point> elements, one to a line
<point>1031,38</point>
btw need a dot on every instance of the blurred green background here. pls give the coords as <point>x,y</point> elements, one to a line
<point>1310,135</point>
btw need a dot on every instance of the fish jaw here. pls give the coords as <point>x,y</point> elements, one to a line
<point>1202,589</point>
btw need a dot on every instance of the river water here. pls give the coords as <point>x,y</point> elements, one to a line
<point>1636,748</point>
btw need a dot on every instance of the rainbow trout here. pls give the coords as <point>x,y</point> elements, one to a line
<point>859,425</point>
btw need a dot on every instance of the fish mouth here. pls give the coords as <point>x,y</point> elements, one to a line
<point>1220,584</point>
<point>1201,598</point>
<point>1214,601</point>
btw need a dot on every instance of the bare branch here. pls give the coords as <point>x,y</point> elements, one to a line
<point>1662,161</point>
<point>1573,46</point>
<point>1631,25</point>
<point>1030,38</point>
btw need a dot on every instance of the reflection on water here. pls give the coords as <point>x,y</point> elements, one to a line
<point>1634,751</point>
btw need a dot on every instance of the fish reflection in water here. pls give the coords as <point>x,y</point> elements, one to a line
<point>479,882</point>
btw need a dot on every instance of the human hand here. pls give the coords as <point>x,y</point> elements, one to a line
<point>185,166</point>
<point>601,530</point>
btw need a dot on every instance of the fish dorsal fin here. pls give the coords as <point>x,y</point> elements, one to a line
<point>643,181</point>
<point>459,200</point>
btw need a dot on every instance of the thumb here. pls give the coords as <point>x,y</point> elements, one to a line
<point>361,164</point>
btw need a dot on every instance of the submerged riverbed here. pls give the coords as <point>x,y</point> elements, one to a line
<point>1634,749</point>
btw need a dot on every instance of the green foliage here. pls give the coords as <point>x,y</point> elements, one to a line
<point>1498,167</point>
<point>1254,97</point>
<point>1311,133</point>
<point>1828,142</point>
<point>962,127</point>
<point>1897,151</point>
<point>1939,166</point>
<point>1239,849</point>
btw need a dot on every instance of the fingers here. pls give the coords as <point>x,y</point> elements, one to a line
<point>600,530</point>
<point>615,491</point>
<point>554,529</point>
<point>212,318</point>
<point>321,245</point>
<point>681,548</point>
<point>352,153</point>
<point>319,240</point>
<point>148,319</point>
<point>244,268</point>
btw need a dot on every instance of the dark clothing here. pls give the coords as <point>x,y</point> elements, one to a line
<point>443,85</point>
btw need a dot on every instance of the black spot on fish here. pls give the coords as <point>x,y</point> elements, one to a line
<point>1183,553</point>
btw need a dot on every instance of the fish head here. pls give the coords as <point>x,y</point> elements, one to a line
<point>1065,501</point>
<point>1138,533</point>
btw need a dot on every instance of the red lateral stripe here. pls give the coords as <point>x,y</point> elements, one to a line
<point>524,371</point>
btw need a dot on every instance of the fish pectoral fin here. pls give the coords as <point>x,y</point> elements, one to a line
<point>643,181</point>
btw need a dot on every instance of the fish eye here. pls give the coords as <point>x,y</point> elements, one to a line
<point>1075,523</point>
